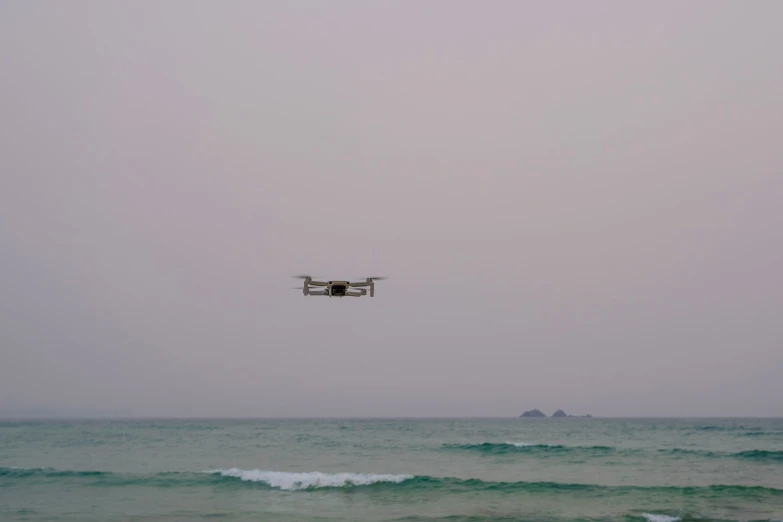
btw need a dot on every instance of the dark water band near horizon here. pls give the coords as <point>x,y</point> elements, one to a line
<point>631,470</point>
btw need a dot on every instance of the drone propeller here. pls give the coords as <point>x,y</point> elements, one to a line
<point>301,276</point>
<point>378,278</point>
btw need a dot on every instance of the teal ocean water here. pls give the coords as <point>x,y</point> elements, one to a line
<point>632,470</point>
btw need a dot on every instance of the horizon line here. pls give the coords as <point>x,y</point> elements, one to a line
<point>391,417</point>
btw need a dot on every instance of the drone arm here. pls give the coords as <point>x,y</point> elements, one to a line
<point>369,283</point>
<point>355,294</point>
<point>316,283</point>
<point>318,292</point>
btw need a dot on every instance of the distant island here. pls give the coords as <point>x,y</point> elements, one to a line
<point>559,414</point>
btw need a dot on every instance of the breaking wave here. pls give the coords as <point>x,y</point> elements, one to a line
<point>752,455</point>
<point>501,448</point>
<point>291,481</point>
<point>498,448</point>
<point>312,480</point>
<point>653,517</point>
<point>761,455</point>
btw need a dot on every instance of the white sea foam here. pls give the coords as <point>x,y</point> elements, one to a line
<point>520,444</point>
<point>314,479</point>
<point>652,517</point>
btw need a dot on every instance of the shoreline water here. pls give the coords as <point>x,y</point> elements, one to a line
<point>615,470</point>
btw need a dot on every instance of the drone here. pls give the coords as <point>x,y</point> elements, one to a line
<point>338,288</point>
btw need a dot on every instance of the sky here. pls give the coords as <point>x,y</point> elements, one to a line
<point>578,205</point>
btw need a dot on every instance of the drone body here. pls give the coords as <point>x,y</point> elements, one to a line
<point>339,288</point>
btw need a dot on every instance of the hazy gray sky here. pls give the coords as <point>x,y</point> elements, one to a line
<point>579,204</point>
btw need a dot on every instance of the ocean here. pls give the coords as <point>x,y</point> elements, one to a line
<point>455,470</point>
